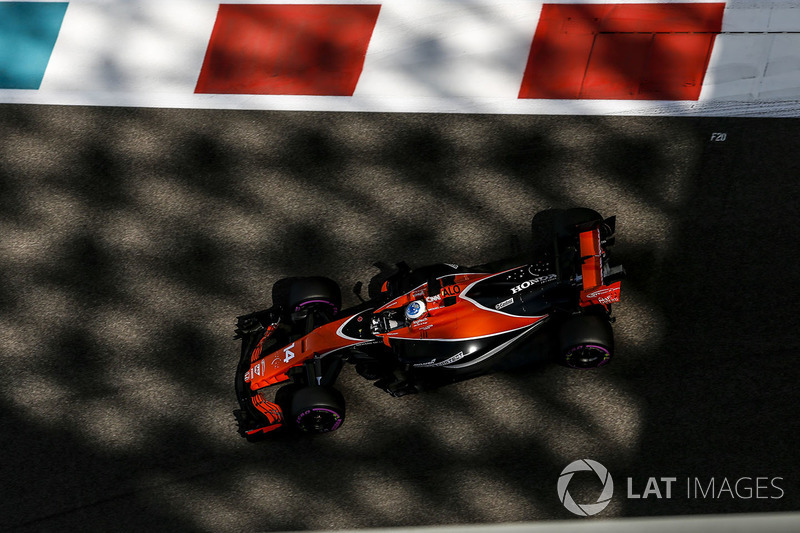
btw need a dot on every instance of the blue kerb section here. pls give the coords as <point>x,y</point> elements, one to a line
<point>28,32</point>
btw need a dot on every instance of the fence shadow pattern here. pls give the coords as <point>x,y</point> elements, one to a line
<point>130,239</point>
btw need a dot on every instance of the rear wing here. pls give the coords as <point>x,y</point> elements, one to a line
<point>600,281</point>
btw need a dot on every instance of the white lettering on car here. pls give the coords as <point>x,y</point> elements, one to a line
<point>504,304</point>
<point>531,282</point>
<point>289,353</point>
<point>449,360</point>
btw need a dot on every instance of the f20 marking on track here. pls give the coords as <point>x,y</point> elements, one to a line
<point>719,137</point>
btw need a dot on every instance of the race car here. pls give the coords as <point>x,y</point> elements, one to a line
<point>426,327</point>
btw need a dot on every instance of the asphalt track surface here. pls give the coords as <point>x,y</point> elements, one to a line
<point>131,238</point>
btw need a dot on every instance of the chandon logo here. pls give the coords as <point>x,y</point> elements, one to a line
<point>585,509</point>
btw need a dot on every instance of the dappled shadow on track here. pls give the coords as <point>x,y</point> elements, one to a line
<point>130,239</point>
<point>726,383</point>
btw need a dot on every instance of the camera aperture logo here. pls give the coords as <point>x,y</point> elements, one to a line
<point>658,488</point>
<point>585,509</point>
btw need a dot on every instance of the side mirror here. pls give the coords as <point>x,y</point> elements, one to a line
<point>357,291</point>
<point>434,286</point>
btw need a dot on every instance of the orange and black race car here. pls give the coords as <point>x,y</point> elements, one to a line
<point>426,327</point>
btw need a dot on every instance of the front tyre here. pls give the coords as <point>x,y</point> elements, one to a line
<point>314,291</point>
<point>317,409</point>
<point>586,341</point>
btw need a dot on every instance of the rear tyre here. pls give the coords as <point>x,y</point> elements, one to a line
<point>317,409</point>
<point>586,341</point>
<point>573,218</point>
<point>561,223</point>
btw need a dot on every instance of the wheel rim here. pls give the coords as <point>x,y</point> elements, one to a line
<point>327,303</point>
<point>319,420</point>
<point>588,356</point>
